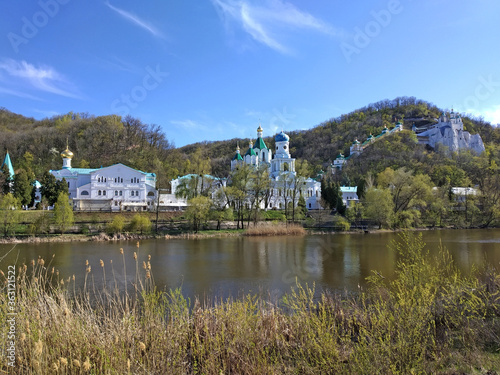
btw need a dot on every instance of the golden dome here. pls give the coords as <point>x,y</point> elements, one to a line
<point>259,129</point>
<point>67,154</point>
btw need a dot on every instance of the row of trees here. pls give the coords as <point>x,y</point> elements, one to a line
<point>248,189</point>
<point>11,215</point>
<point>401,199</point>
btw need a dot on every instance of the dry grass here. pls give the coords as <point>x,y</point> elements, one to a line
<point>429,320</point>
<point>275,229</point>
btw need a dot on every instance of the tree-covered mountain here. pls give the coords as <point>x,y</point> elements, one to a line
<point>105,140</point>
<point>321,144</point>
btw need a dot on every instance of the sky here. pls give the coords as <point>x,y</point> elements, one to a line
<point>207,70</point>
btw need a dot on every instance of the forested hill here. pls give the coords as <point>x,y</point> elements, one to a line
<point>321,144</point>
<point>106,140</point>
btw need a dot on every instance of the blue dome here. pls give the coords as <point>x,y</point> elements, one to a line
<point>282,137</point>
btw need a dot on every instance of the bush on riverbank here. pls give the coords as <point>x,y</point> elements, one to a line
<point>275,229</point>
<point>429,319</point>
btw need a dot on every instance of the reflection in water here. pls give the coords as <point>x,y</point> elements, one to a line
<point>269,266</point>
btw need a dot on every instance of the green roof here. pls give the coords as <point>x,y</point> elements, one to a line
<point>260,144</point>
<point>8,164</point>
<point>251,152</point>
<point>237,157</point>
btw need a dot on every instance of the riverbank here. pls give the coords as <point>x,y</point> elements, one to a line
<point>273,230</point>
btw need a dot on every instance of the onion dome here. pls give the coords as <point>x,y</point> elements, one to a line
<point>259,129</point>
<point>67,154</point>
<point>356,142</point>
<point>282,137</point>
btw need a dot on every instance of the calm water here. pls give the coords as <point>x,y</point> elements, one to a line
<point>235,266</point>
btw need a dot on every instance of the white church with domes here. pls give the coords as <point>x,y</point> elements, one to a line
<point>114,188</point>
<point>281,168</point>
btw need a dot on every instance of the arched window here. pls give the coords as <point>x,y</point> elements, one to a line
<point>121,179</point>
<point>84,192</point>
<point>286,167</point>
<point>263,156</point>
<point>151,194</point>
<point>120,193</point>
<point>116,192</point>
<point>132,193</point>
<point>104,192</point>
<point>99,192</point>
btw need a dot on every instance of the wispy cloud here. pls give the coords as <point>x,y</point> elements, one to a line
<point>136,20</point>
<point>19,94</point>
<point>43,78</point>
<point>266,23</point>
<point>189,125</point>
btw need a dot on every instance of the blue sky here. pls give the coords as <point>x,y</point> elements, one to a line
<point>213,69</point>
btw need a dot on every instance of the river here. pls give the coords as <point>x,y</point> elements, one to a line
<point>269,266</point>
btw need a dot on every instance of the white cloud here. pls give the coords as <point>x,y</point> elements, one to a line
<point>24,74</point>
<point>136,20</point>
<point>492,115</point>
<point>266,23</point>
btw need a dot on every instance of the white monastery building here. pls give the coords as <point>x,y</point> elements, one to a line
<point>281,170</point>
<point>113,188</point>
<point>449,131</point>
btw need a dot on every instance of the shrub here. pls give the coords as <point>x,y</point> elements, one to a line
<point>117,225</point>
<point>140,223</point>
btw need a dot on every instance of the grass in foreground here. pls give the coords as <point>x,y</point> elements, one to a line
<point>429,319</point>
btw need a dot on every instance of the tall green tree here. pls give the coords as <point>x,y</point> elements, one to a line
<point>9,214</point>
<point>260,185</point>
<point>238,191</point>
<point>63,212</point>
<point>198,211</point>
<point>379,206</point>
<point>23,187</point>
<point>331,195</point>
<point>410,194</point>
<point>51,187</point>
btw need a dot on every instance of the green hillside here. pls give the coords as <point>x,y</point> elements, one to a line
<point>104,140</point>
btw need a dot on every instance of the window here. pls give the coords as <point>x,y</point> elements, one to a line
<point>84,192</point>
<point>310,205</point>
<point>132,193</point>
<point>121,180</point>
<point>104,192</point>
<point>151,194</point>
<point>136,193</point>
<point>99,192</point>
<point>116,192</point>
<point>68,183</point>
<point>120,193</point>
